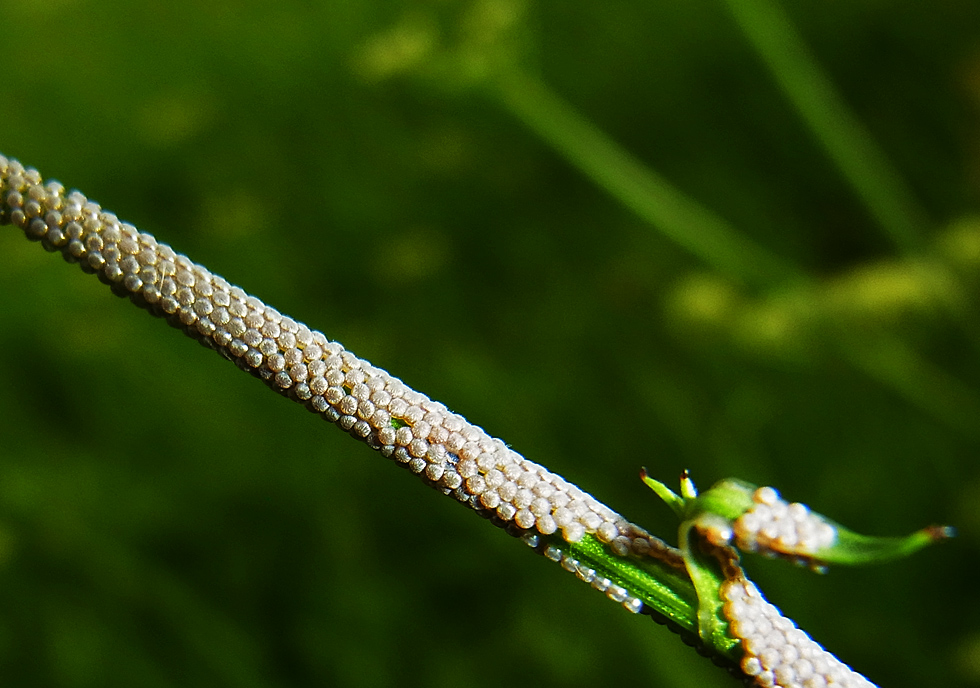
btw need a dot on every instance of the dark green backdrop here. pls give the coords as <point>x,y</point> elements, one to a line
<point>166,521</point>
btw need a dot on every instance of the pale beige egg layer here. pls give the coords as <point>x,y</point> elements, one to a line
<point>775,526</point>
<point>776,652</point>
<point>448,452</point>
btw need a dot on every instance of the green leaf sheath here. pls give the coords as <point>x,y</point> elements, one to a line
<point>663,586</point>
<point>704,568</point>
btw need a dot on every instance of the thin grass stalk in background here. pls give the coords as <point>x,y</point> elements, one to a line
<point>726,250</point>
<point>770,31</point>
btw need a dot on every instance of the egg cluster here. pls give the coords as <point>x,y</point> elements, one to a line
<point>442,447</point>
<point>777,527</point>
<point>776,652</point>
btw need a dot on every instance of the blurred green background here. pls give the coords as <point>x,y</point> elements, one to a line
<point>435,185</point>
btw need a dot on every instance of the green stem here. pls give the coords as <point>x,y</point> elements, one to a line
<point>896,365</point>
<point>679,218</point>
<point>718,244</point>
<point>812,93</point>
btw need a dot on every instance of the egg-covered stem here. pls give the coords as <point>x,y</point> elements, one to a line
<point>445,450</point>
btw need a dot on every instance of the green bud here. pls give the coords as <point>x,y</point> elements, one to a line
<point>756,519</point>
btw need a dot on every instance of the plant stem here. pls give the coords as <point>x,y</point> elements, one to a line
<point>823,109</point>
<point>445,450</point>
<point>682,220</point>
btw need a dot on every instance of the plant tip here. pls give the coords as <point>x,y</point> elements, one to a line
<point>941,532</point>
